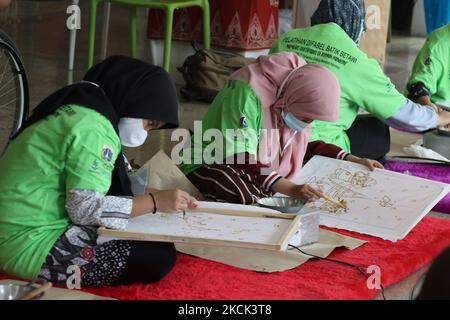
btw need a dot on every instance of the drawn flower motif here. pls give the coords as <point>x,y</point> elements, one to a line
<point>87,253</point>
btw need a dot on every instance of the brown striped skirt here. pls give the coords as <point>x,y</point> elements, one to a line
<point>227,183</point>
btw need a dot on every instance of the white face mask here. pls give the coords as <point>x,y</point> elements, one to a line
<point>131,132</point>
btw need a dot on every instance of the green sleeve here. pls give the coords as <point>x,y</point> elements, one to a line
<point>428,67</point>
<point>370,89</point>
<point>236,108</point>
<point>90,159</point>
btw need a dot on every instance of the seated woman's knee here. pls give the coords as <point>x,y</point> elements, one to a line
<point>160,263</point>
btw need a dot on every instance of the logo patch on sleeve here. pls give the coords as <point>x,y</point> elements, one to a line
<point>243,122</point>
<point>107,153</point>
<point>94,165</point>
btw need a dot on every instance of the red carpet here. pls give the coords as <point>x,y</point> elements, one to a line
<point>194,278</point>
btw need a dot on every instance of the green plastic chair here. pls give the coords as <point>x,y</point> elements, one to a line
<point>169,6</point>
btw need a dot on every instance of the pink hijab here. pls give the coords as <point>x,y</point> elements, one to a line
<point>284,80</point>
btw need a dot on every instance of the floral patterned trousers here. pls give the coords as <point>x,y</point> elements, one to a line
<point>111,263</point>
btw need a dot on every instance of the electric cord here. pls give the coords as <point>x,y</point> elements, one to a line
<point>360,269</point>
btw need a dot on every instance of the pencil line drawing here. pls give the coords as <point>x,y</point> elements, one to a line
<point>381,203</point>
<point>341,184</point>
<point>386,202</point>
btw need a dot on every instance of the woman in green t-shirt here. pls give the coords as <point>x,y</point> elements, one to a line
<point>263,115</point>
<point>430,78</point>
<point>333,42</point>
<point>63,175</point>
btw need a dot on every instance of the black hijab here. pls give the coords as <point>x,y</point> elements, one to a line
<point>348,14</point>
<point>118,87</point>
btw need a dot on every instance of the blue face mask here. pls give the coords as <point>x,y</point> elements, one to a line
<point>292,122</point>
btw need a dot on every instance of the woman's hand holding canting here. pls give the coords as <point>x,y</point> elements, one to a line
<point>172,201</point>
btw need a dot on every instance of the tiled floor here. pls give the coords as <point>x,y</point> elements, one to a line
<point>39,29</point>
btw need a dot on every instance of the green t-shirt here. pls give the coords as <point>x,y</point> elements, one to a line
<point>75,148</point>
<point>235,118</point>
<point>432,66</point>
<point>362,81</point>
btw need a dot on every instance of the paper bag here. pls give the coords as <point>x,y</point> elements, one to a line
<point>375,38</point>
<point>163,174</point>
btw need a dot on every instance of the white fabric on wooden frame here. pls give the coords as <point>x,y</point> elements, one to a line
<point>244,226</point>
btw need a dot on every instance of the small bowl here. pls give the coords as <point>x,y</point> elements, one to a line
<point>282,204</point>
<point>16,291</point>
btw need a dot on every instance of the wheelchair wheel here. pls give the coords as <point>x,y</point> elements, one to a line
<point>14,99</point>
